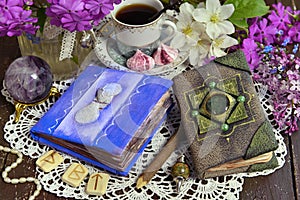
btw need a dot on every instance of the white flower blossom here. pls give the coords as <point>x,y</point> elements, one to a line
<point>214,16</point>
<point>183,38</point>
<point>220,43</point>
<point>199,50</point>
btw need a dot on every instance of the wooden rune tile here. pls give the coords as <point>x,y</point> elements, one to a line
<point>97,184</point>
<point>49,161</point>
<point>75,174</point>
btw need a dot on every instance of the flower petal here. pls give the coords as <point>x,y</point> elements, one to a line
<point>217,52</point>
<point>228,42</point>
<point>201,15</point>
<point>213,30</point>
<point>186,8</point>
<point>226,27</point>
<point>226,11</point>
<point>213,5</point>
<point>178,41</point>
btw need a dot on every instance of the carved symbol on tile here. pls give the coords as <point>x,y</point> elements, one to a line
<point>75,174</point>
<point>96,181</point>
<point>97,184</point>
<point>50,158</point>
<point>77,171</point>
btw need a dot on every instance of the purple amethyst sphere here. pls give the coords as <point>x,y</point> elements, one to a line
<point>28,79</point>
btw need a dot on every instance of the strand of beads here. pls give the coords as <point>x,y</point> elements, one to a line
<point>22,179</point>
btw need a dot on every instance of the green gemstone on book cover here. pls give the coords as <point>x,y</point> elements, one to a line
<point>195,113</point>
<point>212,84</point>
<point>241,98</point>
<point>217,104</point>
<point>221,107</point>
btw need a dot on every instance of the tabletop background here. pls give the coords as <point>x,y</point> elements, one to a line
<point>283,184</point>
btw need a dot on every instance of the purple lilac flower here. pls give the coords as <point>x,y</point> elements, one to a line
<point>250,50</point>
<point>280,17</point>
<point>273,41</point>
<point>14,20</point>
<point>79,21</point>
<point>78,15</point>
<point>263,32</point>
<point>294,32</point>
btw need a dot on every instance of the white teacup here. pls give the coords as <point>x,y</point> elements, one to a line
<point>131,37</point>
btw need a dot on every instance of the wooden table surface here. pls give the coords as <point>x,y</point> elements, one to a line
<point>283,184</point>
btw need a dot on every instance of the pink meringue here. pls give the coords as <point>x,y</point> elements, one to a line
<point>165,54</point>
<point>140,61</point>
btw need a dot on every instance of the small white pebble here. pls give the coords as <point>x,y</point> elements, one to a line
<point>30,179</point>
<point>14,151</point>
<point>8,169</point>
<point>14,181</point>
<point>14,165</point>
<point>6,149</point>
<point>22,180</point>
<point>4,174</point>
<point>36,193</point>
<point>7,180</point>
<point>19,160</point>
<point>39,187</point>
<point>31,198</point>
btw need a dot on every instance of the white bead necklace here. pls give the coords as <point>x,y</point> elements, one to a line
<point>22,179</point>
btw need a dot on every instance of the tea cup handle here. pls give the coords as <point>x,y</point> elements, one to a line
<point>171,33</point>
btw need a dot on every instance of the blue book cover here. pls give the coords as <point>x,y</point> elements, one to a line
<point>106,117</point>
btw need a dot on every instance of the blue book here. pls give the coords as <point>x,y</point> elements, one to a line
<point>106,117</point>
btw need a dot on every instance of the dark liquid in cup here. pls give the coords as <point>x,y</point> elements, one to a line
<point>135,14</point>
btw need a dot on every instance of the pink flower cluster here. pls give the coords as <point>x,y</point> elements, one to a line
<point>16,16</point>
<point>272,51</point>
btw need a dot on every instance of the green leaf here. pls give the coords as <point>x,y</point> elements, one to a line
<point>41,15</point>
<point>241,23</point>
<point>248,8</point>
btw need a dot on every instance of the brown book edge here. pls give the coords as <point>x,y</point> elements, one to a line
<point>266,157</point>
<point>158,161</point>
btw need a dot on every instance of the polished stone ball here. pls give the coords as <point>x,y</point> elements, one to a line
<point>28,79</point>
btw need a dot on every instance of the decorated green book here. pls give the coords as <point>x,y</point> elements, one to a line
<point>223,120</point>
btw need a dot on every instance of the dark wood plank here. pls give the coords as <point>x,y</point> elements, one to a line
<point>295,151</point>
<point>278,185</point>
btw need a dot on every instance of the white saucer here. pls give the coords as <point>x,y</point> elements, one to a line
<point>108,54</point>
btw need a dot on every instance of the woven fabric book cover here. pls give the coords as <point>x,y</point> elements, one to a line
<point>106,117</point>
<point>223,119</point>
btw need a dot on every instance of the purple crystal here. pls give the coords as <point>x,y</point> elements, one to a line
<point>28,79</point>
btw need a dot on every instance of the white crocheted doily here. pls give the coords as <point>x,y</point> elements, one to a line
<point>160,187</point>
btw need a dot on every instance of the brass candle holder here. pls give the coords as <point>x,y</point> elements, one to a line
<point>20,107</point>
